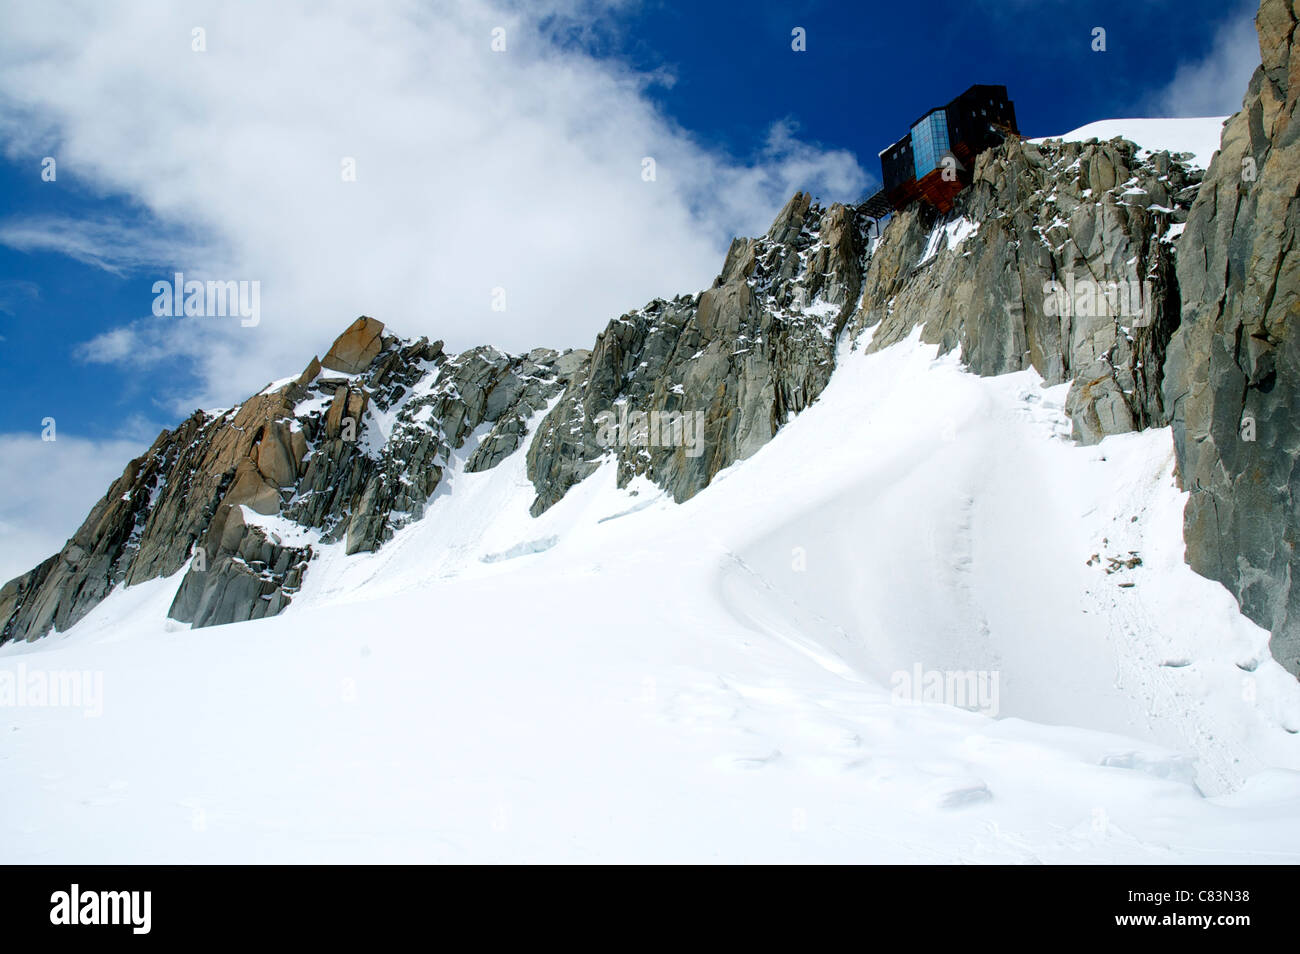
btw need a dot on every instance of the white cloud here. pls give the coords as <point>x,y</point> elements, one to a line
<point>475,170</point>
<point>50,486</point>
<point>113,246</point>
<point>1215,84</point>
<point>147,342</point>
<point>14,292</point>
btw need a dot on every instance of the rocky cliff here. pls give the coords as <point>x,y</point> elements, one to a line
<point>742,356</point>
<point>348,451</point>
<point>1094,218</point>
<point>1233,382</point>
<point>354,447</point>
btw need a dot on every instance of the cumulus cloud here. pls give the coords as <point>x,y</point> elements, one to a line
<point>50,486</point>
<point>1214,84</point>
<point>476,170</point>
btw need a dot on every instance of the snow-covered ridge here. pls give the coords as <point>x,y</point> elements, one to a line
<point>1198,136</point>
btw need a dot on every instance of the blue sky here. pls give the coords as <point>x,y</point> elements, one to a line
<point>872,68</point>
<point>479,169</point>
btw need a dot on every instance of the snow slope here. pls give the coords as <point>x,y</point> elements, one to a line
<point>628,679</point>
<point>1199,136</point>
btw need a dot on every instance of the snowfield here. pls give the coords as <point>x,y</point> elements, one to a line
<point>627,679</point>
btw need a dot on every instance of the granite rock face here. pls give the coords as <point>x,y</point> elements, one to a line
<point>356,347</point>
<point>1233,381</point>
<point>1097,219</point>
<point>240,501</point>
<point>686,387</point>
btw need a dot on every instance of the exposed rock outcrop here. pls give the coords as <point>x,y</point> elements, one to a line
<point>1091,217</point>
<point>241,500</point>
<point>733,362</point>
<point>1234,366</point>
<point>356,347</point>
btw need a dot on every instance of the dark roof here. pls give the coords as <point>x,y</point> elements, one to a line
<point>877,206</point>
<point>948,105</point>
<point>945,106</point>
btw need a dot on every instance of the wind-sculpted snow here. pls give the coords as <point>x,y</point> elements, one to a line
<point>732,678</point>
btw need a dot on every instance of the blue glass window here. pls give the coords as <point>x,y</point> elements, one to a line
<point>930,142</point>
